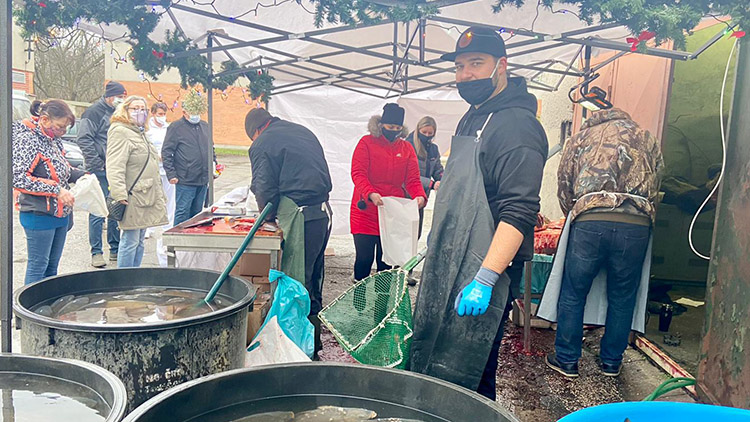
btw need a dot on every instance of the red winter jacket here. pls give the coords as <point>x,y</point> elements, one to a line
<point>387,168</point>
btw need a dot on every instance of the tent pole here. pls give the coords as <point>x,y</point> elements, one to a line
<point>210,93</point>
<point>6,180</point>
<point>405,78</point>
<point>586,71</point>
<point>422,40</point>
<point>395,50</point>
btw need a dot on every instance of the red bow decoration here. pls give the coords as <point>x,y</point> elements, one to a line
<point>158,54</point>
<point>41,4</point>
<point>737,34</point>
<point>645,36</point>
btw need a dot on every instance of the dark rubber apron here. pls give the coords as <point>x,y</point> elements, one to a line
<point>445,345</point>
<point>292,224</point>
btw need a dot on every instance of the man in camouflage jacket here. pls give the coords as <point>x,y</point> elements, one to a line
<point>607,184</point>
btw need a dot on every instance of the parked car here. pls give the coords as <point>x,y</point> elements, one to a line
<point>21,110</point>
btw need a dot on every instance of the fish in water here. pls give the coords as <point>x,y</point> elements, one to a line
<point>335,414</point>
<point>269,417</point>
<point>145,304</point>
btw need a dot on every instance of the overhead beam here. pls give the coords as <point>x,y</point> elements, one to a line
<point>306,36</point>
<point>569,38</point>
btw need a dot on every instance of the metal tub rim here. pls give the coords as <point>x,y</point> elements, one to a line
<point>25,313</point>
<point>153,402</point>
<point>119,393</point>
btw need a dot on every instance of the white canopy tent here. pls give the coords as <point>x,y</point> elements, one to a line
<point>332,79</point>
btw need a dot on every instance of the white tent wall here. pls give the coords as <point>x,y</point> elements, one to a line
<point>339,119</point>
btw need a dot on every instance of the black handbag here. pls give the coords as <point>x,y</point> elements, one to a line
<point>115,208</point>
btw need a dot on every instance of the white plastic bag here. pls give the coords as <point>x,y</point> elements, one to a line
<point>399,229</point>
<point>272,346</point>
<point>89,196</point>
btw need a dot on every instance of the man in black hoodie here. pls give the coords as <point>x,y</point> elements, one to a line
<point>510,149</point>
<point>92,139</point>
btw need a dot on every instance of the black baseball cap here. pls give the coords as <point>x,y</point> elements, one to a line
<point>478,39</point>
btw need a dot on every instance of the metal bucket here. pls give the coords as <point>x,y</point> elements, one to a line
<point>100,382</point>
<point>150,357</point>
<point>389,392</point>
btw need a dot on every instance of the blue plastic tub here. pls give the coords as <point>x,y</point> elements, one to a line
<point>658,412</point>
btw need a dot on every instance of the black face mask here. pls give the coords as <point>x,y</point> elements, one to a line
<point>391,135</point>
<point>478,91</point>
<point>424,138</point>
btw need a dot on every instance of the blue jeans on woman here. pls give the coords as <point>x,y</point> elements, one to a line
<point>44,248</point>
<point>620,248</point>
<point>131,248</point>
<point>188,202</point>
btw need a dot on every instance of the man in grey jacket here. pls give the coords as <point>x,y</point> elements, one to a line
<point>92,139</point>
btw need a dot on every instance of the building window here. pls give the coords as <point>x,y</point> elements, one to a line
<point>19,77</point>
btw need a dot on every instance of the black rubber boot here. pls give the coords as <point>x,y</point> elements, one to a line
<point>318,342</point>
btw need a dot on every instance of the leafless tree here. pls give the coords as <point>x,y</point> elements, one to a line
<point>71,68</point>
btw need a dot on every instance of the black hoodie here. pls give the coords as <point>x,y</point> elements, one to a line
<point>512,155</point>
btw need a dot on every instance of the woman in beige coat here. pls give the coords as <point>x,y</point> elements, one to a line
<point>129,152</point>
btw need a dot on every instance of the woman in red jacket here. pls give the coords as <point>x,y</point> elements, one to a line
<point>383,165</point>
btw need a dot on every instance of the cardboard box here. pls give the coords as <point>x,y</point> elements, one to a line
<point>252,264</point>
<point>257,316</point>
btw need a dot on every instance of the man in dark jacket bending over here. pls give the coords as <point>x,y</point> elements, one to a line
<point>290,172</point>
<point>483,226</point>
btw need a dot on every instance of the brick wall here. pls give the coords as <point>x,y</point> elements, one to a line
<point>229,109</point>
<point>28,85</point>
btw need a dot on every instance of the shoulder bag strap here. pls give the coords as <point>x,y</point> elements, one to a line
<point>148,158</point>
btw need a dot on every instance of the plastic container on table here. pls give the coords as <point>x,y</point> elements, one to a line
<point>541,267</point>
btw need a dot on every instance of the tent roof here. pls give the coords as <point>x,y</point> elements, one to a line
<point>392,59</point>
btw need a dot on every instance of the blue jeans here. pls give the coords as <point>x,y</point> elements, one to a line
<point>188,202</point>
<point>44,248</point>
<point>95,224</point>
<point>131,248</point>
<point>620,248</point>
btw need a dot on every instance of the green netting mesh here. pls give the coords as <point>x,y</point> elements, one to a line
<point>372,320</point>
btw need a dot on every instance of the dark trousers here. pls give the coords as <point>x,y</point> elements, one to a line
<point>621,249</point>
<point>368,248</point>
<point>96,223</point>
<point>488,383</point>
<point>317,233</point>
<point>44,248</point>
<point>188,202</point>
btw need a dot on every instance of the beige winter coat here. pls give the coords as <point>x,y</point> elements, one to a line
<point>127,152</point>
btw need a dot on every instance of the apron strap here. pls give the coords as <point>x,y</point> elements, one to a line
<point>479,132</point>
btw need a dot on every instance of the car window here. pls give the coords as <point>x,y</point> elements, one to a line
<point>21,109</point>
<point>72,131</point>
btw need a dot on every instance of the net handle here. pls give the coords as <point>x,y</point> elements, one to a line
<point>414,261</point>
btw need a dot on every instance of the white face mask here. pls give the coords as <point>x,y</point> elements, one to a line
<point>117,101</point>
<point>194,119</point>
<point>162,120</point>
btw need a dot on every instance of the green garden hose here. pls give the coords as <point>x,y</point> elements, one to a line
<point>670,385</point>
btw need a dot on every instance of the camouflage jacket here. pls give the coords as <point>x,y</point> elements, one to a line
<point>613,163</point>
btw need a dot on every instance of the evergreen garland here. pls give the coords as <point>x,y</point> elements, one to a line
<point>42,19</point>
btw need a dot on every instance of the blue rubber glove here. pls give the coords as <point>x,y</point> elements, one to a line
<point>474,299</point>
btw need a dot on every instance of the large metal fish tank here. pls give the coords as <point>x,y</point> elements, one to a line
<point>34,388</point>
<point>391,393</point>
<point>148,357</point>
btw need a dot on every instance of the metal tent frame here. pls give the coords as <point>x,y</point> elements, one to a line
<point>409,66</point>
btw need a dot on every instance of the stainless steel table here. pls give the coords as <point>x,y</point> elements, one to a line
<point>179,238</point>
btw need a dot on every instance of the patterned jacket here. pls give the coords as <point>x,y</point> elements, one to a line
<point>40,170</point>
<point>615,162</point>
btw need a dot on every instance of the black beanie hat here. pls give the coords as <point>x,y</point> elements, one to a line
<point>393,114</point>
<point>256,118</point>
<point>113,89</point>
